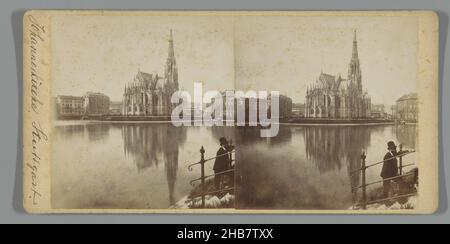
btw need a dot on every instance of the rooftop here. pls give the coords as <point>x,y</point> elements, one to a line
<point>67,97</point>
<point>409,96</point>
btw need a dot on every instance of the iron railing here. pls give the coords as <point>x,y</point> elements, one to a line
<point>363,203</point>
<point>203,177</point>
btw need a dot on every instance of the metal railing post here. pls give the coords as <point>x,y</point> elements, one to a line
<point>231,154</point>
<point>363,179</point>
<point>202,163</point>
<point>400,168</point>
<point>364,166</point>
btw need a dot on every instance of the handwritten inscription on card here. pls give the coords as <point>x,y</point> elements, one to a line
<point>38,136</point>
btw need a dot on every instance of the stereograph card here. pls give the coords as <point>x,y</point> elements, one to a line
<point>230,112</point>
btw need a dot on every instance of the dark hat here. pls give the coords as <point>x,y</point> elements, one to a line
<point>223,141</point>
<point>391,145</point>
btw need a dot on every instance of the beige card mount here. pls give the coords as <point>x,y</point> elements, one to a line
<point>230,112</point>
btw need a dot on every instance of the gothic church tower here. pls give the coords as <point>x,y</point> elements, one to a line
<point>354,71</point>
<point>171,71</point>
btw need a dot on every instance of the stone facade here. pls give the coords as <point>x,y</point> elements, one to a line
<point>150,94</point>
<point>115,108</point>
<point>298,110</point>
<point>285,106</point>
<point>96,104</point>
<point>69,106</point>
<point>335,97</point>
<point>378,111</point>
<point>406,108</point>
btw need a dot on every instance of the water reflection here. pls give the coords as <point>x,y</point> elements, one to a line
<point>70,131</point>
<point>145,165</point>
<point>222,131</point>
<point>94,132</point>
<point>100,165</point>
<point>249,135</point>
<point>97,132</point>
<point>406,135</point>
<point>331,148</point>
<point>151,145</point>
<point>308,167</point>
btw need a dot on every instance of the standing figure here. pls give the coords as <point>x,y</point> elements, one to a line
<point>222,162</point>
<point>390,167</point>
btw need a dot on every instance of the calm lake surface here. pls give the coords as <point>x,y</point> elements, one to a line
<point>100,165</point>
<point>144,165</point>
<point>308,167</point>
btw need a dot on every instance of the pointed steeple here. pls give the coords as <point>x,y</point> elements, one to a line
<point>354,70</point>
<point>171,51</point>
<point>171,72</point>
<point>355,46</point>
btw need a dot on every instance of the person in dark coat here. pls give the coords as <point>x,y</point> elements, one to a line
<point>222,161</point>
<point>390,166</point>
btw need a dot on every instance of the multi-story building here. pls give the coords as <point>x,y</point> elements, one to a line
<point>298,110</point>
<point>406,108</point>
<point>378,111</point>
<point>115,108</point>
<point>96,104</point>
<point>150,94</point>
<point>335,97</point>
<point>69,106</point>
<point>285,106</point>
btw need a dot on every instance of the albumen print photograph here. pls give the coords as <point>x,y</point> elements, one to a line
<point>114,143</point>
<point>238,111</point>
<point>349,101</point>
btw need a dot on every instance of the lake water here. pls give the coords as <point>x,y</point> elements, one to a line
<point>99,165</point>
<point>144,165</point>
<point>308,167</point>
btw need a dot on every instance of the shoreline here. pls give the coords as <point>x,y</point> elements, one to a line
<point>337,124</point>
<point>284,122</point>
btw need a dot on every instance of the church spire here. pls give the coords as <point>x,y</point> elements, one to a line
<point>354,70</point>
<point>355,47</point>
<point>171,51</point>
<point>171,72</point>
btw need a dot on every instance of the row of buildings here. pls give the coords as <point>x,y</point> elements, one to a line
<point>98,104</point>
<point>329,97</point>
<point>150,94</point>
<point>90,104</point>
<point>285,106</point>
<point>146,95</point>
<point>404,109</point>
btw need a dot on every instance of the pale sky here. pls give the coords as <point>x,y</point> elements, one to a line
<point>103,53</point>
<point>288,53</point>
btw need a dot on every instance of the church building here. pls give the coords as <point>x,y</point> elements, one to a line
<point>336,97</point>
<point>150,94</point>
